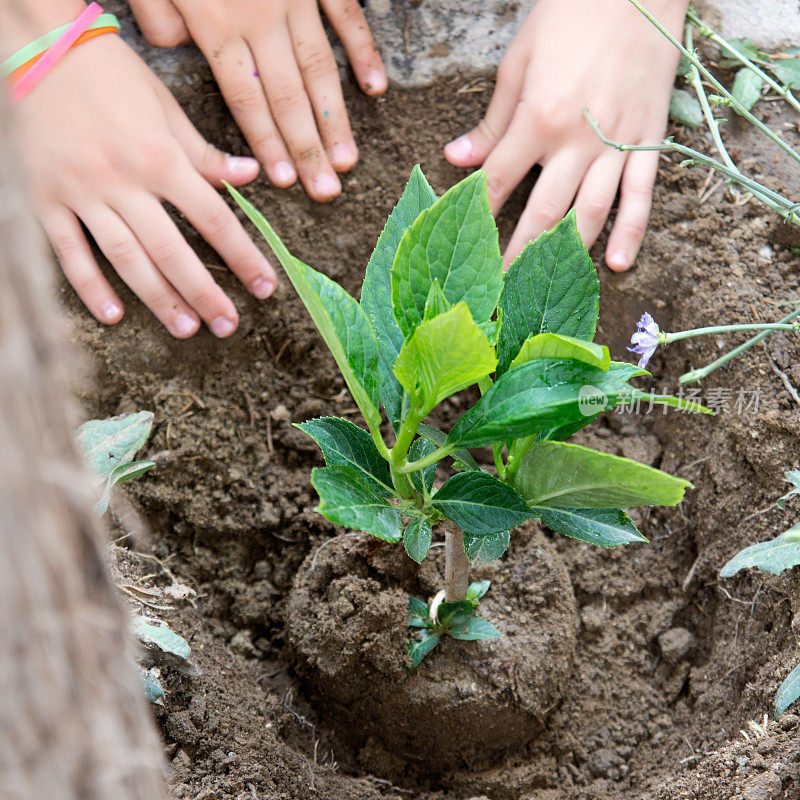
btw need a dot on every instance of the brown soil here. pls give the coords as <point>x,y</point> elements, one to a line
<point>231,506</point>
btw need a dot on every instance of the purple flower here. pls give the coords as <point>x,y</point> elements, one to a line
<point>646,339</point>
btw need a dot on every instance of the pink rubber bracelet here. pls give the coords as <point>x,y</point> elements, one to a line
<point>55,52</point>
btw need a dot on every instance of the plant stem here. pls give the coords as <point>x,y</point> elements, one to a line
<point>426,461</point>
<point>668,338</point>
<point>456,564</point>
<point>698,374</point>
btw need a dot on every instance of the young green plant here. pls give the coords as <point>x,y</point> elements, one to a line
<point>437,316</point>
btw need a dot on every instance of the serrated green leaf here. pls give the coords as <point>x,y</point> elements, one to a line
<point>604,527</point>
<point>472,629</point>
<point>747,87</point>
<point>685,108</point>
<point>348,499</point>
<point>462,458</point>
<point>417,539</point>
<point>124,472</point>
<point>419,648</point>
<point>339,318</point>
<point>443,356</point>
<point>554,345</point>
<point>418,614</point>
<point>477,589</point>
<point>163,638</point>
<point>788,691</point>
<point>551,287</point>
<point>423,479</point>
<point>455,241</point>
<point>480,504</point>
<point>485,549</point>
<point>345,444</point>
<point>376,293</point>
<point>110,443</point>
<point>774,556</point>
<point>561,475</point>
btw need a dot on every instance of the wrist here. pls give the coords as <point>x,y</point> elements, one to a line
<point>22,22</point>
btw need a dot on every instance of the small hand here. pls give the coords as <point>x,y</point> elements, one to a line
<point>571,55</point>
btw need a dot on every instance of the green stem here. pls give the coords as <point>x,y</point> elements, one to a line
<point>426,461</point>
<point>497,453</point>
<point>668,338</point>
<point>698,374</point>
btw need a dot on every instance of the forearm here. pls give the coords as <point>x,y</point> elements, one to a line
<point>22,21</point>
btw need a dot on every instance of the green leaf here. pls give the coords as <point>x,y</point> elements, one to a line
<point>345,444</point>
<point>788,691</point>
<point>422,479</point>
<point>554,345</point>
<point>110,443</point>
<point>747,87</point>
<point>472,629</point>
<point>793,477</point>
<point>787,71</point>
<point>163,638</point>
<point>551,287</point>
<point>745,47</point>
<point>485,549</point>
<point>449,610</point>
<point>153,690</point>
<point>667,400</point>
<point>443,356</point>
<point>535,397</point>
<point>604,527</point>
<point>339,318</point>
<point>775,556</point>
<point>419,648</point>
<point>436,303</point>
<point>462,458</point>
<point>561,475</point>
<point>455,241</point>
<point>376,293</point>
<point>480,504</point>
<point>477,589</point>
<point>124,472</point>
<point>417,539</point>
<point>685,108</point>
<point>418,614</point>
<point>348,499</point>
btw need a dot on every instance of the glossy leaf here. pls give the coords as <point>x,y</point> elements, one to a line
<point>455,241</point>
<point>561,475</point>
<point>462,458</point>
<point>685,108</point>
<point>417,539</point>
<point>349,499</point>
<point>423,479</point>
<point>551,287</point>
<point>472,629</point>
<point>604,527</point>
<point>774,556</point>
<point>747,87</point>
<point>107,444</point>
<point>788,692</point>
<point>485,549</point>
<point>554,345</point>
<point>419,648</point>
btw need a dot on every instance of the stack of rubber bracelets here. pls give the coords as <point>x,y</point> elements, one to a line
<point>29,65</point>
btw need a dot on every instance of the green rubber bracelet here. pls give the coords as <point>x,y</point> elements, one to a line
<point>43,43</point>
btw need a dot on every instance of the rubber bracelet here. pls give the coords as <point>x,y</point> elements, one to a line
<point>32,77</point>
<point>90,34</point>
<point>37,47</point>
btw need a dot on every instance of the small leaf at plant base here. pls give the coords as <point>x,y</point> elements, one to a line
<point>348,499</point>
<point>747,87</point>
<point>554,345</point>
<point>788,691</point>
<point>124,472</point>
<point>163,638</point>
<point>561,475</point>
<point>423,479</point>
<point>449,612</point>
<point>685,108</point>
<point>480,504</point>
<point>418,615</point>
<point>472,629</point>
<point>485,549</point>
<point>376,293</point>
<point>477,589</point>
<point>774,556</point>
<point>455,241</point>
<point>443,356</point>
<point>462,458</point>
<point>340,320</point>
<point>551,287</point>
<point>345,444</point>
<point>110,443</point>
<point>419,648</point>
<point>603,527</point>
<point>417,539</point>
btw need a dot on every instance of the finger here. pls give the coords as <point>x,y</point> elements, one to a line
<point>551,197</point>
<point>218,225</point>
<point>351,26</point>
<point>321,78</point>
<point>160,22</point>
<point>597,193</point>
<point>290,106</point>
<point>79,265</point>
<point>636,199</point>
<point>123,250</point>
<point>177,262</point>
<point>240,84</point>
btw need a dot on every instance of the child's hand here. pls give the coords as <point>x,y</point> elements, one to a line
<point>276,70</point>
<point>104,144</point>
<point>602,55</point>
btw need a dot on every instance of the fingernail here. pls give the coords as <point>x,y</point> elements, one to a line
<point>262,288</point>
<point>111,311</point>
<point>459,148</point>
<point>184,325</point>
<point>222,327</point>
<point>326,185</point>
<point>241,166</point>
<point>284,173</point>
<point>343,154</point>
<point>618,260</point>
<point>376,81</point>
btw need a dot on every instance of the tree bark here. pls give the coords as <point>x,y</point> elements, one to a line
<point>456,564</point>
<point>74,724</point>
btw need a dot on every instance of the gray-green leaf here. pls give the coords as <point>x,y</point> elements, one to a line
<point>417,539</point>
<point>163,638</point>
<point>788,691</point>
<point>685,108</point>
<point>124,472</point>
<point>110,443</point>
<point>604,527</point>
<point>747,87</point>
<point>472,629</point>
<point>774,556</point>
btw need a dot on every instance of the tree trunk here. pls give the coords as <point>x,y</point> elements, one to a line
<point>456,563</point>
<point>74,724</point>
